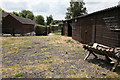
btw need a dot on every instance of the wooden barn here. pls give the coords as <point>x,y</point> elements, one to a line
<point>101,27</point>
<point>12,24</point>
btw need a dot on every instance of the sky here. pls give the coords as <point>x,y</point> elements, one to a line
<point>56,8</point>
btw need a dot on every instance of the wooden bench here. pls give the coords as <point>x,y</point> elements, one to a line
<point>105,51</point>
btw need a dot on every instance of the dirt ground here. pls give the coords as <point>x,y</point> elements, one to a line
<point>51,57</point>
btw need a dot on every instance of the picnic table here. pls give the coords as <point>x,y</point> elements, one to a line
<point>105,51</point>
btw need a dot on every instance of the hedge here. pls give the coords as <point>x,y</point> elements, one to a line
<point>40,30</point>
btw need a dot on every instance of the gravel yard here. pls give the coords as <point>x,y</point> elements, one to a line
<point>51,57</point>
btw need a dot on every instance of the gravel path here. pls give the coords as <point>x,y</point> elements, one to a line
<point>53,57</point>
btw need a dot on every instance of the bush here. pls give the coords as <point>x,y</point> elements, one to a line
<point>40,30</point>
<point>60,24</point>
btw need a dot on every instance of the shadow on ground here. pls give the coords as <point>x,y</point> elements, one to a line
<point>104,64</point>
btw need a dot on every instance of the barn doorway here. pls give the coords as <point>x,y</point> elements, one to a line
<point>70,28</point>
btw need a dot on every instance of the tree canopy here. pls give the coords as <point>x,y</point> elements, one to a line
<point>27,14</point>
<point>30,16</point>
<point>49,19</point>
<point>76,9</point>
<point>15,13</point>
<point>2,10</point>
<point>39,20</point>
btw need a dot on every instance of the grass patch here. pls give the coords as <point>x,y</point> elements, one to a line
<point>43,62</point>
<point>19,75</point>
<point>27,47</point>
<point>12,40</point>
<point>57,33</point>
<point>71,71</point>
<point>50,61</point>
<point>82,70</point>
<point>82,53</point>
<point>69,41</point>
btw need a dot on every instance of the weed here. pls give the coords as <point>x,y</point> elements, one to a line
<point>48,76</point>
<point>77,47</point>
<point>29,47</point>
<point>71,71</point>
<point>82,53</point>
<point>8,61</point>
<point>78,76</point>
<point>19,75</point>
<point>42,62</point>
<point>50,61</point>
<point>95,66</point>
<point>48,40</point>
<point>73,66</point>
<point>69,41</point>
<point>80,59</point>
<point>111,76</point>
<point>49,68</point>
<point>44,49</point>
<point>58,33</point>
<point>82,70</point>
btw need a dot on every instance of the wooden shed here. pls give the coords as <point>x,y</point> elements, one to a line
<point>12,24</point>
<point>67,28</point>
<point>101,27</point>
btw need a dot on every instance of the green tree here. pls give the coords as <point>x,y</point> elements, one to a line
<point>2,10</point>
<point>27,14</point>
<point>52,23</point>
<point>15,13</point>
<point>30,16</point>
<point>76,9</point>
<point>39,20</point>
<point>49,19</point>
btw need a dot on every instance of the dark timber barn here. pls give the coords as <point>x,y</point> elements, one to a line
<point>101,27</point>
<point>12,24</point>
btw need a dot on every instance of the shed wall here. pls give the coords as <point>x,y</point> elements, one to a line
<point>94,29</point>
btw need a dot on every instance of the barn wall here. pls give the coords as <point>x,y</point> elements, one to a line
<point>103,34</point>
<point>26,28</point>
<point>93,28</point>
<point>75,30</point>
<point>9,23</point>
<point>83,29</point>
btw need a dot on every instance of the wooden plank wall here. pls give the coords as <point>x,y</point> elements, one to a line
<point>104,35</point>
<point>93,28</point>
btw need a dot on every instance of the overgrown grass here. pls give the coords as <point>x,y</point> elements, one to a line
<point>12,40</point>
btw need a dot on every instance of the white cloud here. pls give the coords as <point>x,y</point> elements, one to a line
<point>55,7</point>
<point>40,7</point>
<point>97,5</point>
<point>11,5</point>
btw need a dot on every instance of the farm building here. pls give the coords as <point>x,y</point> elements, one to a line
<point>101,27</point>
<point>58,21</point>
<point>12,24</point>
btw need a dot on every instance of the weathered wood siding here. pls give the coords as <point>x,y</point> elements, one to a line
<point>11,25</point>
<point>93,28</point>
<point>103,34</point>
<point>83,29</point>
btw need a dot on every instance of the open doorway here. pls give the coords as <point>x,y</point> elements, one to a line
<point>70,28</point>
